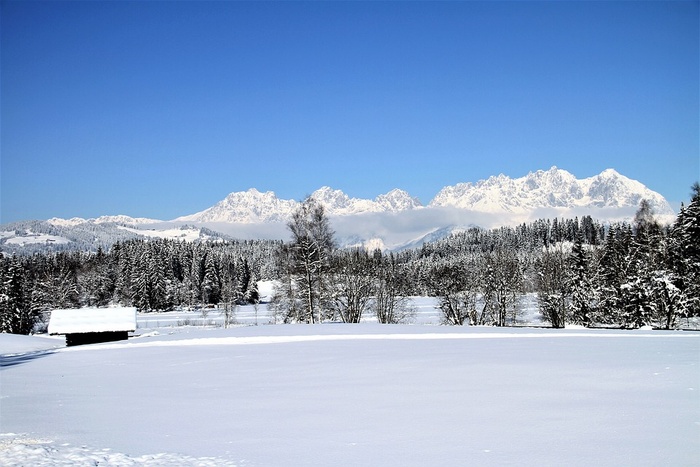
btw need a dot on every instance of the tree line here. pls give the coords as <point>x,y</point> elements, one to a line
<point>152,275</point>
<point>582,272</point>
<point>622,275</point>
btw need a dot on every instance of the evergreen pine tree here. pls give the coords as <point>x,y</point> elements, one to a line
<point>613,275</point>
<point>211,280</point>
<point>685,254</point>
<point>16,313</point>
<point>638,304</point>
<point>148,280</point>
<point>582,290</point>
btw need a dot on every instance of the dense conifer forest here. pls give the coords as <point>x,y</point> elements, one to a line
<point>583,272</point>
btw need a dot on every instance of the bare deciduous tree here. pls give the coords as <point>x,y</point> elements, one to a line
<point>353,285</point>
<point>389,304</point>
<point>306,289</point>
<point>554,285</point>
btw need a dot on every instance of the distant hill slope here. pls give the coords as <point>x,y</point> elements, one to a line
<point>88,235</point>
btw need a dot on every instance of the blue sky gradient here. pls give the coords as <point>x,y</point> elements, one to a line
<point>160,109</point>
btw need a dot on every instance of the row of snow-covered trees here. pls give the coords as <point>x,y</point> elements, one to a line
<point>624,275</point>
<point>152,275</point>
<point>627,274</point>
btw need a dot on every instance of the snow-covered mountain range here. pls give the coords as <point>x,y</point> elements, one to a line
<point>391,220</point>
<point>554,188</point>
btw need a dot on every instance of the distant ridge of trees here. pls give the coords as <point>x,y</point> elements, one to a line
<point>623,275</point>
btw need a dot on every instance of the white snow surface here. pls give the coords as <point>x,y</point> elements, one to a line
<point>352,395</point>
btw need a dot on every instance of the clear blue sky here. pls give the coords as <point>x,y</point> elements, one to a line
<point>160,109</point>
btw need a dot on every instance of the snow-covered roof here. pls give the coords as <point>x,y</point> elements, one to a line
<point>81,320</point>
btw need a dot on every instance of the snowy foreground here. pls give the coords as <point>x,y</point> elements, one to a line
<point>352,395</point>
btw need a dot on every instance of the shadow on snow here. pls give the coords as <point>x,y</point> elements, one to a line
<point>10,360</point>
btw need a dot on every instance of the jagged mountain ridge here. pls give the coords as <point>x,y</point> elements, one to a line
<point>252,206</point>
<point>395,220</point>
<point>553,188</point>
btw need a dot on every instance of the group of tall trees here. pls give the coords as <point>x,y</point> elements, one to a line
<point>153,275</point>
<point>625,275</point>
<point>319,282</point>
<point>581,271</point>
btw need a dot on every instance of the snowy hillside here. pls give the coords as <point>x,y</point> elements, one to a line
<point>57,234</point>
<point>352,395</point>
<point>89,235</point>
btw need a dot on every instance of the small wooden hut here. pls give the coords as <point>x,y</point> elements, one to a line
<point>93,325</point>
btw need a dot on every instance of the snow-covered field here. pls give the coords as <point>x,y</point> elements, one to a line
<point>367,394</point>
